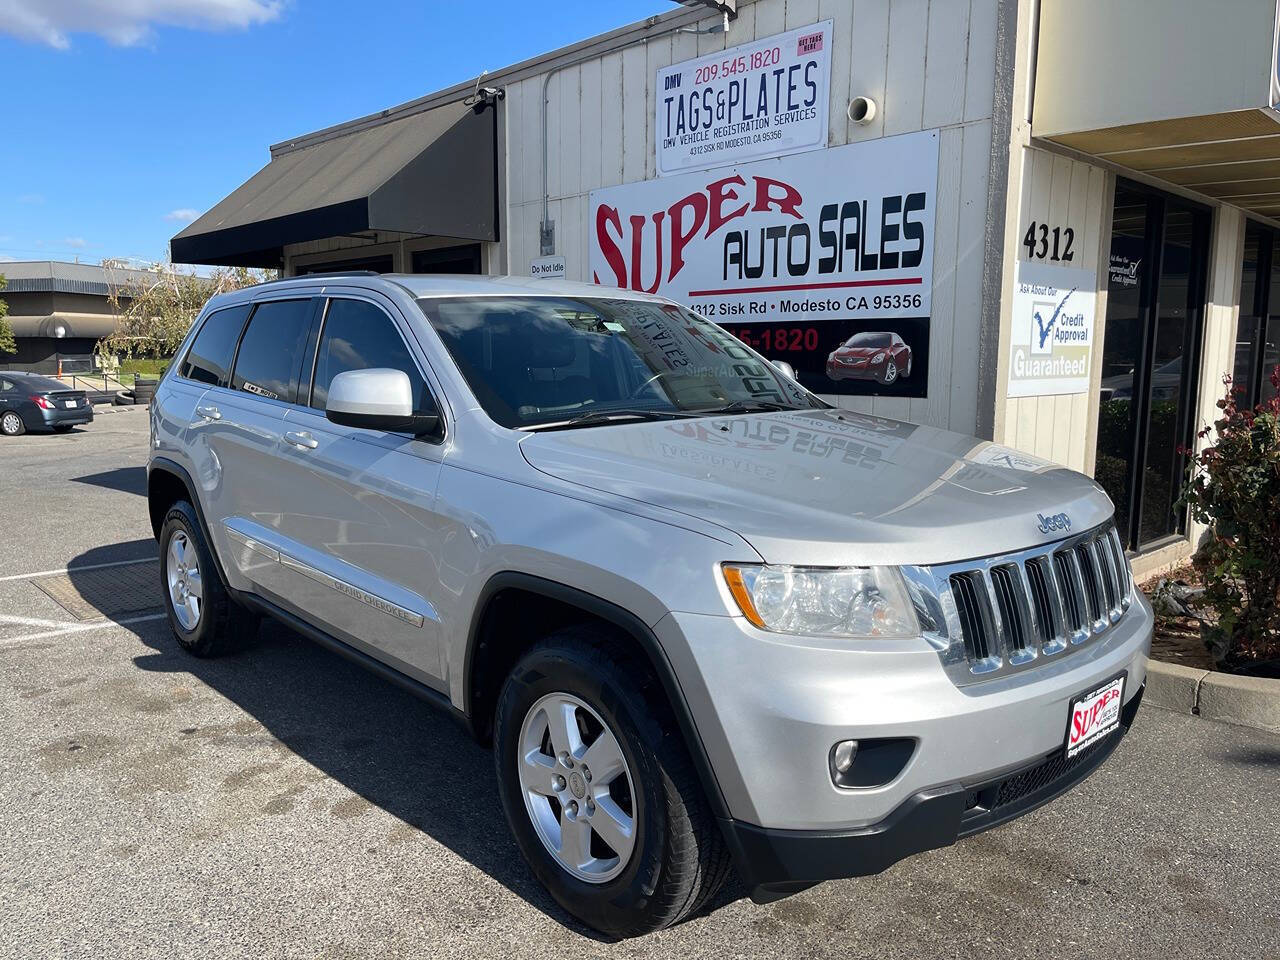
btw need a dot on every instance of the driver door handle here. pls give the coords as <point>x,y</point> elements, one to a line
<point>208,412</point>
<point>301,439</point>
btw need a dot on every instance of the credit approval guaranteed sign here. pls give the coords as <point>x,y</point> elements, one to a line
<point>757,100</point>
<point>843,233</point>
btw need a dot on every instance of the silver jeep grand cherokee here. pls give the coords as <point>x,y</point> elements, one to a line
<point>707,620</point>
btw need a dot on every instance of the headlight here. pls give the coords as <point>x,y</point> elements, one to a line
<point>878,358</point>
<point>823,601</point>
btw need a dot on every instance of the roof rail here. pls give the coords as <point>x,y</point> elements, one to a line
<point>324,273</point>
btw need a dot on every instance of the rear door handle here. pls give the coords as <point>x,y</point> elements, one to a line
<point>300,439</point>
<point>209,413</point>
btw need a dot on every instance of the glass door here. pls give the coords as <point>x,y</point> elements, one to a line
<point>1150,359</point>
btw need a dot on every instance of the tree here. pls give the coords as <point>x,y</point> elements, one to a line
<point>7,343</point>
<point>156,309</point>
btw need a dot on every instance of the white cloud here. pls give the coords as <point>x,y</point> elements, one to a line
<point>77,242</point>
<point>182,214</point>
<point>5,258</point>
<point>126,22</point>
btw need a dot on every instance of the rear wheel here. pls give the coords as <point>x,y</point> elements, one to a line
<point>205,620</point>
<point>599,789</point>
<point>11,425</point>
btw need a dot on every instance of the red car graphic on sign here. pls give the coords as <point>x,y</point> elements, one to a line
<point>883,357</point>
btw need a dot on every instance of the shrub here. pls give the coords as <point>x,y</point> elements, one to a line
<point>1234,488</point>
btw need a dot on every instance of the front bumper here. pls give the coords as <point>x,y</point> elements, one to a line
<point>861,371</point>
<point>769,708</point>
<point>776,863</point>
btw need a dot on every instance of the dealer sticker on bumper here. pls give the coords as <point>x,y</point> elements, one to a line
<point>1094,715</point>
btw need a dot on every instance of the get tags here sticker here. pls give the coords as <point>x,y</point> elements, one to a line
<point>1094,715</point>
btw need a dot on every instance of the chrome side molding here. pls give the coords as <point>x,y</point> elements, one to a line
<point>382,604</point>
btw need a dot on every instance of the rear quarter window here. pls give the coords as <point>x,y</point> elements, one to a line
<point>209,359</point>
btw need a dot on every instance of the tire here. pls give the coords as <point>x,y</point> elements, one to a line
<point>907,374</point>
<point>216,624</point>
<point>678,859</point>
<point>890,373</point>
<point>62,428</point>
<point>11,424</point>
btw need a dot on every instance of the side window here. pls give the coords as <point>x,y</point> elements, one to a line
<point>272,348</point>
<point>357,335</point>
<point>209,359</point>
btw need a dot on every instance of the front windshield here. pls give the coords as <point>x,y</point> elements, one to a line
<point>546,360</point>
<point>870,340</point>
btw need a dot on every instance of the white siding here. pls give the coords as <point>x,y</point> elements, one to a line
<point>1060,191</point>
<point>927,63</point>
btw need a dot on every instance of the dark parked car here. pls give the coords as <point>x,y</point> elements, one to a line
<point>870,356</point>
<point>31,402</point>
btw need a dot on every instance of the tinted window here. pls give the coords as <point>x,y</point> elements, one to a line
<point>542,360</point>
<point>357,335</point>
<point>271,349</point>
<point>32,384</point>
<point>209,359</point>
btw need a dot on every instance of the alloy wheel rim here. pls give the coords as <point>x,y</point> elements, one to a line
<point>11,422</point>
<point>577,787</point>
<point>891,372</point>
<point>186,586</point>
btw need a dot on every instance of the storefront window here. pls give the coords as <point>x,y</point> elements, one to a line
<point>1122,343</point>
<point>1258,329</point>
<point>1159,249</point>
<point>1257,254</point>
<point>1168,391</point>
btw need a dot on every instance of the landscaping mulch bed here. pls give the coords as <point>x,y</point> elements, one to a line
<point>1177,638</point>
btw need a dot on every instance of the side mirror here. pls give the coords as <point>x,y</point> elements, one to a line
<point>785,368</point>
<point>377,399</point>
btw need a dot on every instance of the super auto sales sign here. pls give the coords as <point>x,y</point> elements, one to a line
<point>842,235</point>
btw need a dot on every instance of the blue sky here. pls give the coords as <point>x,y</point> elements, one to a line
<point>115,127</point>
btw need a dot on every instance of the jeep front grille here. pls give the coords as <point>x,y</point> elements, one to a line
<point>992,616</point>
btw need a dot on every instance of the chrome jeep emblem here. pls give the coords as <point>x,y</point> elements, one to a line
<point>1054,523</point>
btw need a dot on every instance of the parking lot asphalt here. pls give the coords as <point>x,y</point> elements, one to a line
<point>282,803</point>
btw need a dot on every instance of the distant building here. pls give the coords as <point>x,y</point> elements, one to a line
<point>58,311</point>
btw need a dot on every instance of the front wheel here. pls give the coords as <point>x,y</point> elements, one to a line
<point>599,791</point>
<point>890,372</point>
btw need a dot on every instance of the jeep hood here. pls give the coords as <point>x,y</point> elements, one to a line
<point>830,486</point>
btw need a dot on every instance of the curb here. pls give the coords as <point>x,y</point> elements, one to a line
<point>1244,701</point>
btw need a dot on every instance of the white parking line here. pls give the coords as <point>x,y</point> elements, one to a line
<point>74,628</point>
<point>76,569</point>
<point>30,621</point>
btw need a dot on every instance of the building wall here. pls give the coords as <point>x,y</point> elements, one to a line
<point>927,64</point>
<point>1056,189</point>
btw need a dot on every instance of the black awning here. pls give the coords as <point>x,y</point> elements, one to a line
<point>433,173</point>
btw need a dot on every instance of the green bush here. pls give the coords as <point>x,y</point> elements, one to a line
<point>1234,488</point>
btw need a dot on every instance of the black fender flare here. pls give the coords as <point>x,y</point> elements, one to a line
<point>625,621</point>
<point>179,472</point>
